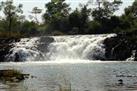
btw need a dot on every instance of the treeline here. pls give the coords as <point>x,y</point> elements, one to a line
<point>60,19</point>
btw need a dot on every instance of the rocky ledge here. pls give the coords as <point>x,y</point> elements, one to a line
<point>12,75</point>
<point>118,48</point>
<point>5,45</point>
<point>121,47</point>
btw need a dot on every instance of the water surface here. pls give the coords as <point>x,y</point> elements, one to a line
<point>79,76</point>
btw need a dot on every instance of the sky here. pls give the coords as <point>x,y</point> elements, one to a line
<point>29,4</point>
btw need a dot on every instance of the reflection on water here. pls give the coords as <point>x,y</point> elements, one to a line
<point>90,76</point>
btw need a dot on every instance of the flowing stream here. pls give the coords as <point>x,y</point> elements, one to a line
<point>68,63</point>
<point>52,48</point>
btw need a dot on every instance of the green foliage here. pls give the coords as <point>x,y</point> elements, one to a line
<point>80,19</point>
<point>56,10</point>
<point>29,28</point>
<point>131,10</point>
<point>105,9</point>
<point>129,19</point>
<point>56,15</point>
<point>58,19</point>
<point>94,27</point>
<point>11,13</point>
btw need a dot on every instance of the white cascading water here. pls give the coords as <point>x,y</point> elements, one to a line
<point>26,49</point>
<point>132,58</point>
<point>75,47</point>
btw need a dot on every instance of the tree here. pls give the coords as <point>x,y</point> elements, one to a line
<point>103,16</point>
<point>36,11</point>
<point>80,18</point>
<point>56,10</point>
<point>105,9</point>
<point>129,19</point>
<point>132,10</point>
<point>11,12</point>
<point>56,15</point>
<point>29,28</point>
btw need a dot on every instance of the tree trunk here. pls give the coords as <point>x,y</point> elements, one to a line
<point>10,25</point>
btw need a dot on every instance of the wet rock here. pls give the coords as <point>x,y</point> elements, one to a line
<point>5,46</point>
<point>46,39</point>
<point>44,42</point>
<point>120,82</point>
<point>120,47</point>
<point>12,75</point>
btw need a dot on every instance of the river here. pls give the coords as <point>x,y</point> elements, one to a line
<point>68,63</point>
<point>78,76</point>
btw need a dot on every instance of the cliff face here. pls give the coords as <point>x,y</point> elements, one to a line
<point>121,47</point>
<point>5,45</point>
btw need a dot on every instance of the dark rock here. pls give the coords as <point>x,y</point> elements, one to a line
<point>17,57</point>
<point>44,42</point>
<point>120,82</point>
<point>5,46</point>
<point>12,75</point>
<point>121,47</point>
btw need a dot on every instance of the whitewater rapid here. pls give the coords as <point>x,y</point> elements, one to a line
<point>72,47</point>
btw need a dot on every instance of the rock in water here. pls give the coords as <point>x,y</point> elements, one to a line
<point>121,47</point>
<point>12,75</point>
<point>5,47</point>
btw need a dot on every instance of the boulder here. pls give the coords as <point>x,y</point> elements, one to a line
<point>120,47</point>
<point>12,75</point>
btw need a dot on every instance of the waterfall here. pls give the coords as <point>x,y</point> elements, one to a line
<point>74,47</point>
<point>132,58</point>
<point>26,50</point>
